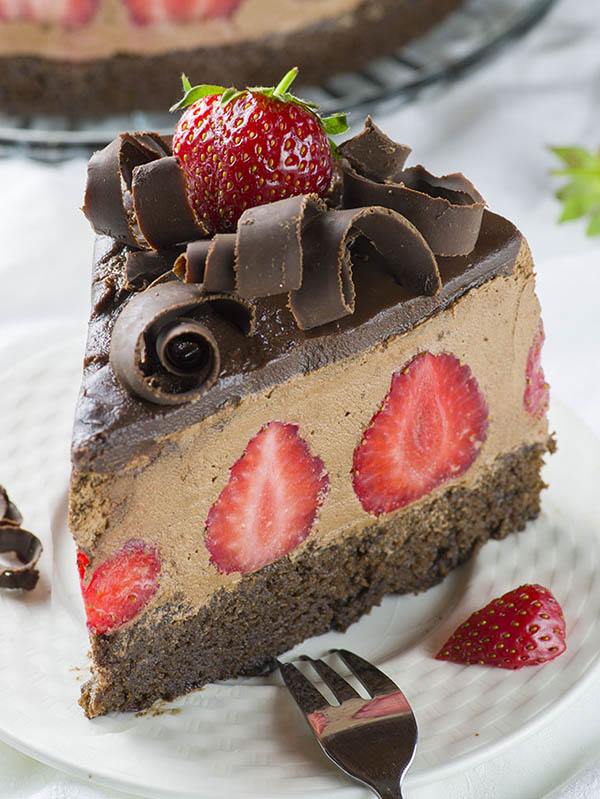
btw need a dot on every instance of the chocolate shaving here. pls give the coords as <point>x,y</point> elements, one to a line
<point>25,546</point>
<point>211,262</point>
<point>446,210</point>
<point>269,246</point>
<point>298,246</point>
<point>162,209</point>
<point>328,292</point>
<point>136,194</point>
<point>169,341</point>
<point>142,267</point>
<point>8,510</point>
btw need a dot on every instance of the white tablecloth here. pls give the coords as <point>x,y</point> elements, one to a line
<point>495,125</point>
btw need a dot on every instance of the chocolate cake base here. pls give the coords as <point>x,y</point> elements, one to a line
<point>123,82</point>
<point>243,630</point>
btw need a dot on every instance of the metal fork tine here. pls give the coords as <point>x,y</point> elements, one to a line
<point>336,684</point>
<point>375,681</point>
<point>305,694</point>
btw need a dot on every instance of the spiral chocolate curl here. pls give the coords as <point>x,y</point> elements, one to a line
<point>136,194</point>
<point>168,342</point>
<point>446,210</point>
<point>26,546</point>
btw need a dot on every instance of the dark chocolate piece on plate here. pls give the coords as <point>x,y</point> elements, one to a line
<point>23,544</point>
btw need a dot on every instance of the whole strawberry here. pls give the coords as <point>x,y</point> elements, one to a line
<point>525,627</point>
<point>240,149</point>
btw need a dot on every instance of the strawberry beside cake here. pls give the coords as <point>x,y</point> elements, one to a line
<point>310,380</point>
<point>94,56</point>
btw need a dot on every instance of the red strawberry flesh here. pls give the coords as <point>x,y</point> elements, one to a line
<point>254,150</point>
<point>120,587</point>
<point>537,392</point>
<point>270,503</point>
<point>524,627</point>
<point>430,429</point>
<point>68,12</point>
<point>144,12</point>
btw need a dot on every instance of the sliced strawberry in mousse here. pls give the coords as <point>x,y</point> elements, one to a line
<point>524,627</point>
<point>120,587</point>
<point>67,12</point>
<point>270,503</point>
<point>537,392</point>
<point>144,12</point>
<point>430,429</point>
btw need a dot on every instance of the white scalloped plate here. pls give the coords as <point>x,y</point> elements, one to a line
<point>246,739</point>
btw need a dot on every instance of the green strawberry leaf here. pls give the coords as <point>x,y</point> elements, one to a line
<point>333,125</point>
<point>580,196</point>
<point>194,93</point>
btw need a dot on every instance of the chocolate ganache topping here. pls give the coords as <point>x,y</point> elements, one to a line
<point>26,546</point>
<point>171,339</point>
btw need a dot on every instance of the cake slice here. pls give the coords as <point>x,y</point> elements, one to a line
<point>338,398</point>
<point>77,57</point>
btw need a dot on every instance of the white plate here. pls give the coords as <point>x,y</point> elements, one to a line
<point>246,739</point>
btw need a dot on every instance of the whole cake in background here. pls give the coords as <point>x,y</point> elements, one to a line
<point>95,56</point>
<point>312,378</point>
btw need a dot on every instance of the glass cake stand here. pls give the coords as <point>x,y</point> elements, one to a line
<point>479,30</point>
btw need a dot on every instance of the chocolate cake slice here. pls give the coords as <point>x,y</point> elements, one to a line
<point>338,399</point>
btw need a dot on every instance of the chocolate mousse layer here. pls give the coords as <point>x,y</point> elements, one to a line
<point>242,631</point>
<point>112,426</point>
<point>99,69</point>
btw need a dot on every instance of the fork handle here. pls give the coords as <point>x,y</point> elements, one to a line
<point>390,792</point>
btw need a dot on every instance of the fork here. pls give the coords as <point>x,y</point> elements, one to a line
<point>372,740</point>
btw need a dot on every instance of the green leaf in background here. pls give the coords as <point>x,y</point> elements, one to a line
<point>580,196</point>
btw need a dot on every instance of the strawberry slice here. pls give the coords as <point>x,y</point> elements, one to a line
<point>120,587</point>
<point>270,503</point>
<point>430,429</point>
<point>68,12</point>
<point>144,12</point>
<point>525,627</point>
<point>537,392</point>
<point>393,704</point>
<point>318,721</point>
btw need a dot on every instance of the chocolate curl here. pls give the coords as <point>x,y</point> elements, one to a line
<point>8,510</point>
<point>328,292</point>
<point>161,205</point>
<point>168,342</point>
<point>108,202</point>
<point>446,210</point>
<point>26,546</point>
<point>211,262</point>
<point>142,267</point>
<point>269,254</point>
<point>136,194</point>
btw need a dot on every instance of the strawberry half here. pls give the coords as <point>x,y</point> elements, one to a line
<point>537,392</point>
<point>430,429</point>
<point>241,149</point>
<point>270,503</point>
<point>68,12</point>
<point>120,587</point>
<point>525,627</point>
<point>144,12</point>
